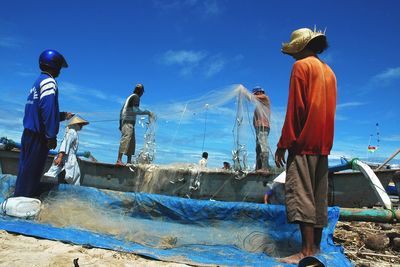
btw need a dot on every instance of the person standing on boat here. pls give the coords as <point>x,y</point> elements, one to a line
<point>203,161</point>
<point>261,120</point>
<point>127,123</point>
<point>66,158</point>
<point>41,123</point>
<point>307,134</point>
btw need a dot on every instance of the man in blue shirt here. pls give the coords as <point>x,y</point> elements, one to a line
<point>41,123</point>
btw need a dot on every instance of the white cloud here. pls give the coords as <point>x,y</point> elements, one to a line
<point>11,121</point>
<point>388,75</point>
<point>381,80</point>
<point>392,138</point>
<point>208,7</point>
<point>339,117</point>
<point>212,7</point>
<point>183,57</point>
<point>175,4</point>
<point>9,42</point>
<point>191,61</point>
<point>349,105</point>
<point>26,74</point>
<point>214,67</point>
<point>84,94</point>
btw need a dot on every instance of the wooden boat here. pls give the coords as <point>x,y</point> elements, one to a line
<point>346,188</point>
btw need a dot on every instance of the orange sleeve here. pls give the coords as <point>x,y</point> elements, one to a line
<point>295,112</point>
<point>309,121</point>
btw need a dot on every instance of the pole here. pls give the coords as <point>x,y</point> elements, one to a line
<point>389,159</point>
<point>369,215</point>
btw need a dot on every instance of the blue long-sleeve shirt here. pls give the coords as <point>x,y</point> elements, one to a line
<point>42,113</point>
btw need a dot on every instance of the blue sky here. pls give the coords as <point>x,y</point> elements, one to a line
<point>191,53</point>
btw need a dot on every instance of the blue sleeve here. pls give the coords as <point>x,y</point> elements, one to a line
<point>49,113</point>
<point>268,192</point>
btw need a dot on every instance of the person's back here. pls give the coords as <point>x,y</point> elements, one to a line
<point>307,134</point>
<point>261,123</point>
<point>41,124</point>
<point>262,112</point>
<point>41,110</point>
<point>311,128</point>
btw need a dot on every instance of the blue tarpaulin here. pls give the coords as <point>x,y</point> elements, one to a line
<point>196,232</point>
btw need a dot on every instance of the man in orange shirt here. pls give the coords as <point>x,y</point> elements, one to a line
<point>307,135</point>
<point>261,125</point>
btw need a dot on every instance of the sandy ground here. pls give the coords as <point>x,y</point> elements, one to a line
<point>18,250</point>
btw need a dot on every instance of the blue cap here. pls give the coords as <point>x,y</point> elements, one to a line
<point>52,59</point>
<point>258,89</point>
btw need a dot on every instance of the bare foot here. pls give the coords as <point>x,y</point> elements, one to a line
<point>292,259</point>
<point>119,163</point>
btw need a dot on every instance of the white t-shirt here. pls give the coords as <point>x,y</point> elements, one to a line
<point>203,163</point>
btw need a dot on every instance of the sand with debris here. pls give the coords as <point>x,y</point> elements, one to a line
<point>369,244</point>
<point>365,244</point>
<point>18,250</point>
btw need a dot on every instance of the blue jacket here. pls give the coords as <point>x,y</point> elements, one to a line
<point>42,113</point>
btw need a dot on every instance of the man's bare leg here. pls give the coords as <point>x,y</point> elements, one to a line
<point>119,160</point>
<point>307,246</point>
<point>317,240</point>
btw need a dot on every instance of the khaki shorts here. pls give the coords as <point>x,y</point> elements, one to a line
<point>127,142</point>
<point>306,189</point>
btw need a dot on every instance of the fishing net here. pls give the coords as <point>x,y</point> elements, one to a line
<point>132,220</point>
<point>195,232</point>
<point>219,122</point>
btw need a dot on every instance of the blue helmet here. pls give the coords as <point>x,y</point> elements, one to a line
<point>52,59</point>
<point>258,89</point>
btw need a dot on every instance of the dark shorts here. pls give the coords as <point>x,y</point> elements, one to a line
<point>306,189</point>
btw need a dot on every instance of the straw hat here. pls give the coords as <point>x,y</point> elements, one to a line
<point>77,120</point>
<point>299,40</point>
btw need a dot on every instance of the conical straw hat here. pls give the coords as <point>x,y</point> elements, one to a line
<point>77,120</point>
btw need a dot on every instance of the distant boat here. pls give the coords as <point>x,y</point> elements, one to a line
<point>349,189</point>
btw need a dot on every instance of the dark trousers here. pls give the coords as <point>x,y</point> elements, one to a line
<point>32,159</point>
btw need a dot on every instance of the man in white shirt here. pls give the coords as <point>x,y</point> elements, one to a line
<point>203,161</point>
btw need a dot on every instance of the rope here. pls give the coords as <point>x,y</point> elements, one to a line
<point>205,128</point>
<point>103,120</point>
<point>179,124</point>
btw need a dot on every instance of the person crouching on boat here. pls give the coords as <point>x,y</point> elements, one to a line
<point>127,123</point>
<point>275,193</point>
<point>66,158</point>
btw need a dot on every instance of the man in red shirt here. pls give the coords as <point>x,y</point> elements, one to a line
<point>261,118</point>
<point>307,135</point>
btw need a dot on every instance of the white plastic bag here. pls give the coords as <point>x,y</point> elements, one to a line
<point>21,207</point>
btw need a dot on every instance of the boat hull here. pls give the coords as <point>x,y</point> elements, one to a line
<point>346,189</point>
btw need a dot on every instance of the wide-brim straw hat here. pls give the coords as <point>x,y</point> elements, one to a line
<point>299,40</point>
<point>77,120</point>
